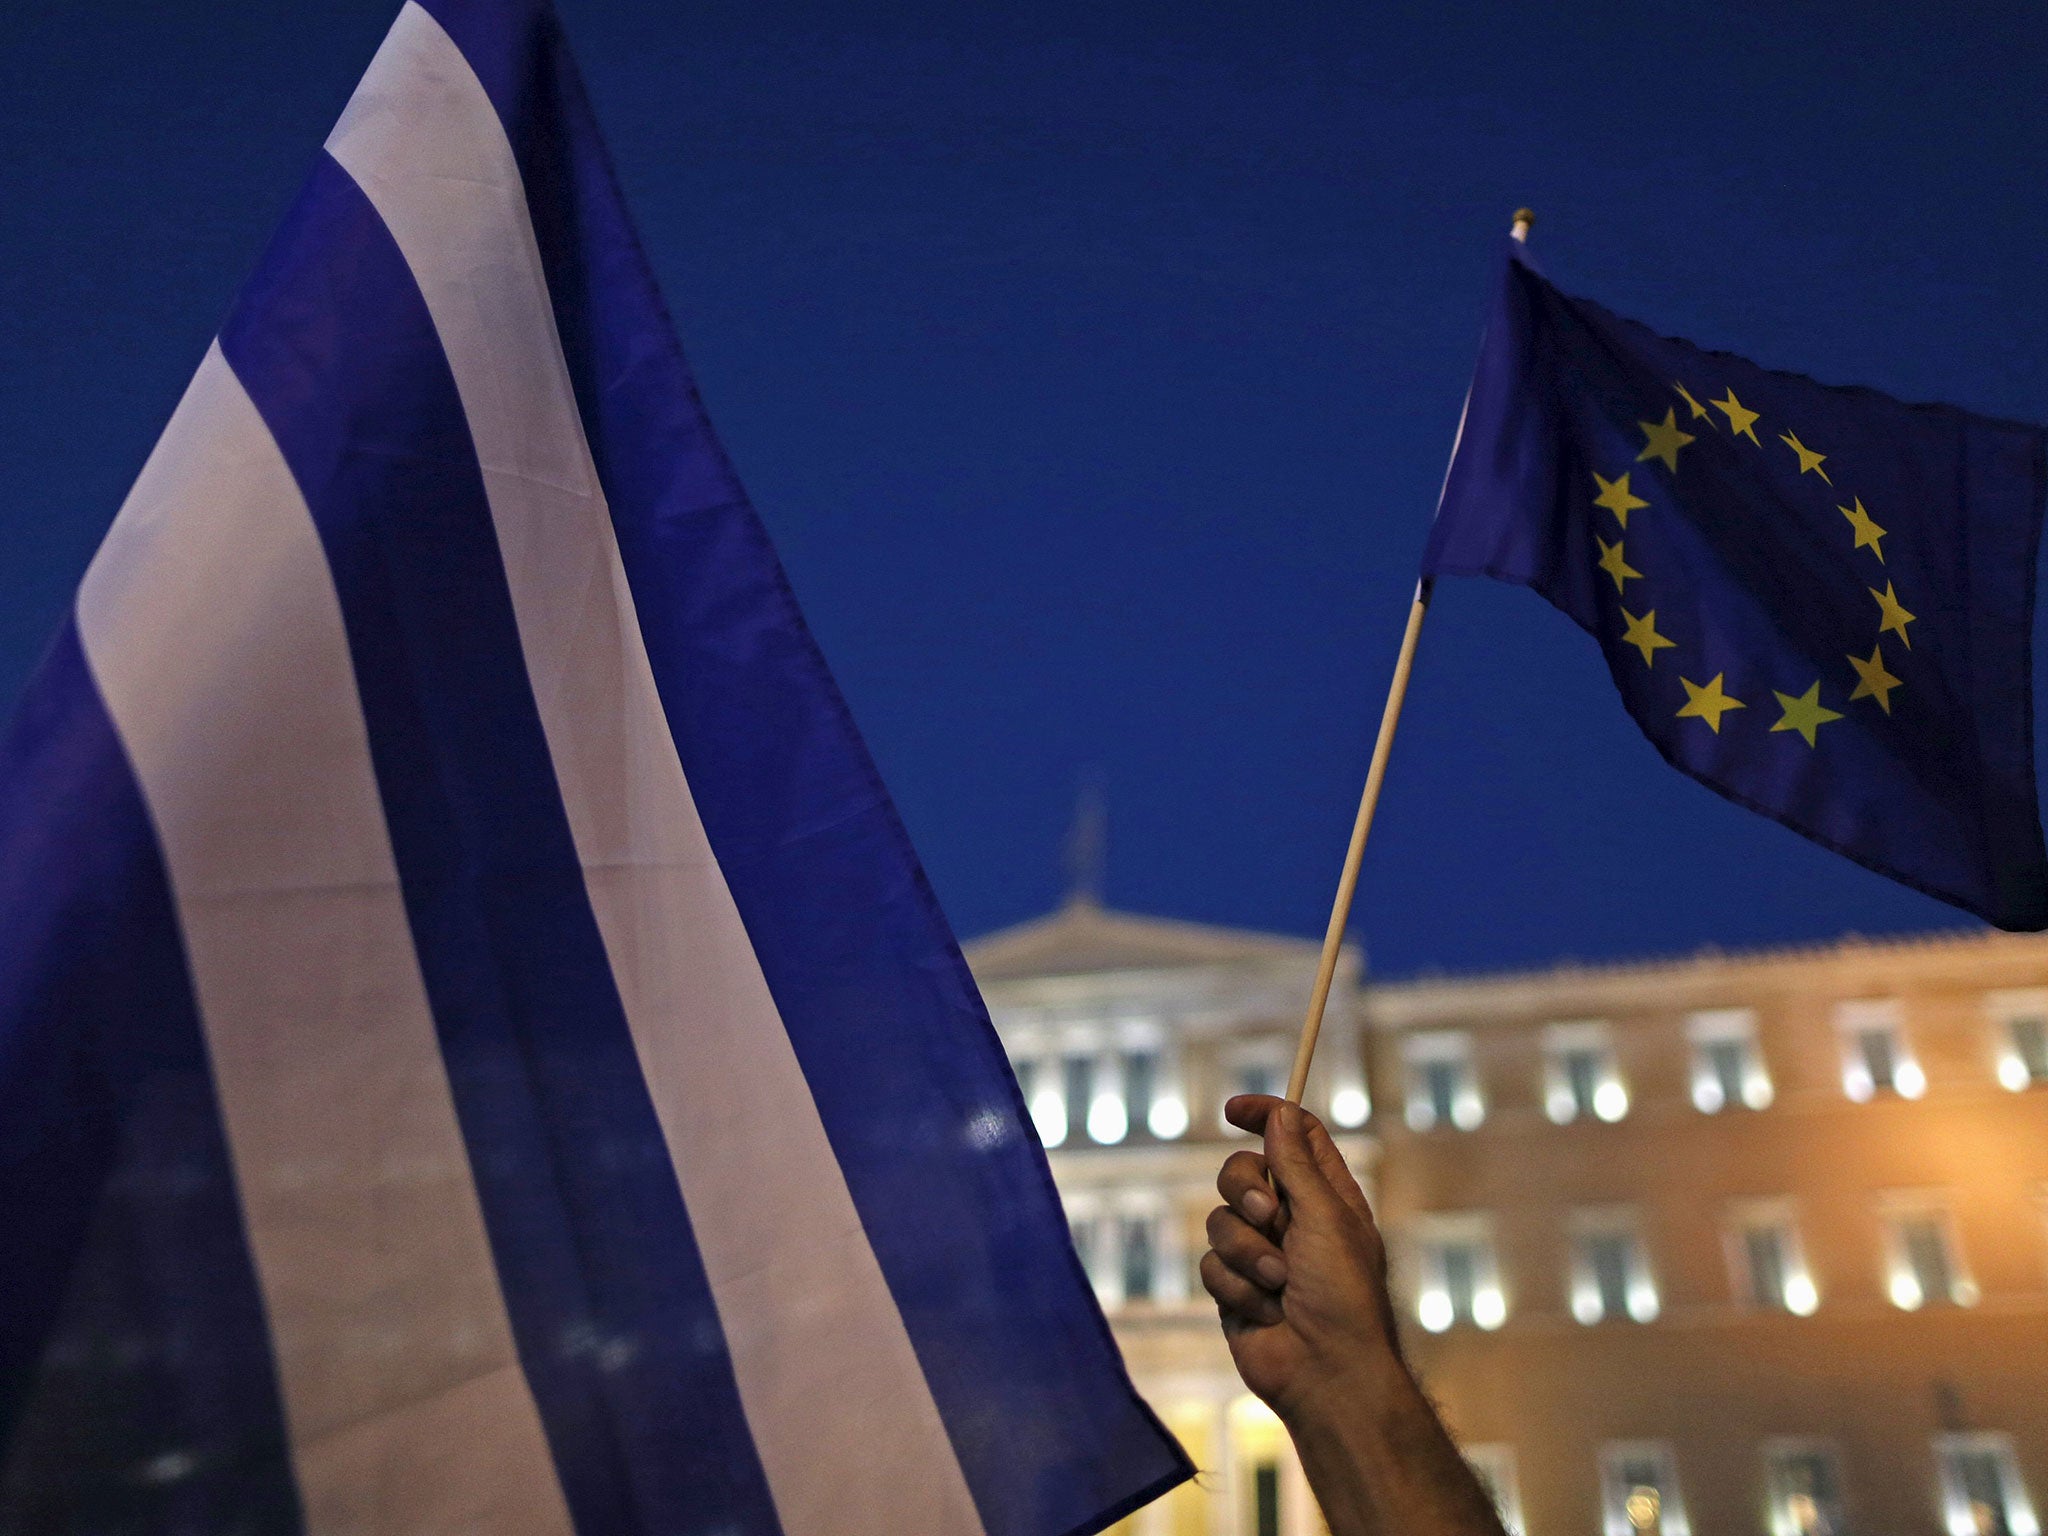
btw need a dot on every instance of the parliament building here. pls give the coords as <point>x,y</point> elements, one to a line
<point>1729,1244</point>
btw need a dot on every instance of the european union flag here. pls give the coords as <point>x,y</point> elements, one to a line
<point>1817,601</point>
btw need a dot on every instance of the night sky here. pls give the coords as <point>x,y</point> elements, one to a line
<point>1094,365</point>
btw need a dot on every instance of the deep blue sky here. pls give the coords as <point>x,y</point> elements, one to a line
<point>1094,365</point>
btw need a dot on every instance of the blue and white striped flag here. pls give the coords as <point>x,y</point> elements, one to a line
<point>477,1052</point>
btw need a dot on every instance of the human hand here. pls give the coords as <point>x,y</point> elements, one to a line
<point>1300,1281</point>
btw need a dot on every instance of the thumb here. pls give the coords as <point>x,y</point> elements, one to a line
<point>1292,1162</point>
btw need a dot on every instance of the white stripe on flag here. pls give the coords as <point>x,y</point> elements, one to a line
<point>213,631</point>
<point>837,1404</point>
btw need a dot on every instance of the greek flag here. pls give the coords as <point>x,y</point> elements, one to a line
<point>477,1051</point>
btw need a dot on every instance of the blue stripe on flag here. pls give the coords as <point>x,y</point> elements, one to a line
<point>137,1388</point>
<point>924,1115</point>
<point>602,1278</point>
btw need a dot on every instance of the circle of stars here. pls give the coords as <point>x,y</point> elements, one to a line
<point>1803,714</point>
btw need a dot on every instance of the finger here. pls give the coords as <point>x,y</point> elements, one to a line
<point>1336,1171</point>
<point>1236,1297</point>
<point>1244,1184</point>
<point>1250,1111</point>
<point>1246,1249</point>
<point>1294,1166</point>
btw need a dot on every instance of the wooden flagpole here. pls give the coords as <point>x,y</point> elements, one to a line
<point>1375,775</point>
<point>1347,883</point>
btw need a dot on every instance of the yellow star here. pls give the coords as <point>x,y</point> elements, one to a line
<point>1808,459</point>
<point>1699,412</point>
<point>1616,497</point>
<point>1873,682</point>
<point>1642,634</point>
<point>1662,441</point>
<point>1708,703</point>
<point>1804,713</point>
<point>1895,616</point>
<point>1741,420</point>
<point>1613,564</point>
<point>1867,532</point>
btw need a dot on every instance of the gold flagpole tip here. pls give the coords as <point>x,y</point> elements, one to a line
<point>1524,221</point>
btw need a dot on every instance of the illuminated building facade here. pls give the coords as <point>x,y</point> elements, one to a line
<point>1736,1243</point>
<point>1729,1244</point>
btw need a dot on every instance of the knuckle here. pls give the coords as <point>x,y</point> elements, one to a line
<point>1243,1250</point>
<point>1223,1225</point>
<point>1232,1290</point>
<point>1216,1275</point>
<point>1239,1170</point>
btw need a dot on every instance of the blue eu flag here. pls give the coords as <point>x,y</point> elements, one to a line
<point>1816,601</point>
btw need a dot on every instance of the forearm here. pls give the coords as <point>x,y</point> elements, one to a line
<point>1381,1463</point>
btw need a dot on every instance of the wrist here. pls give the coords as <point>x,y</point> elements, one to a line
<point>1359,1391</point>
<point>1378,1458</point>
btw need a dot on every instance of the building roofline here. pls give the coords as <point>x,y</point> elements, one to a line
<point>1706,954</point>
<point>1416,999</point>
<point>1083,938</point>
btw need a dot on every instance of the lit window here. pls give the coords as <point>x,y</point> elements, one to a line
<point>2020,1037</point>
<point>1147,1088</point>
<point>1173,1266</point>
<point>1168,1116</point>
<point>1580,1078</point>
<point>1140,1257</point>
<point>1875,1056</point>
<point>1769,1260</point>
<point>2029,1035</point>
<point>1077,1082</point>
<point>1128,1248</point>
<point>1981,1491</point>
<point>1141,1086</point>
<point>1610,1269</point>
<point>1442,1087</point>
<point>1077,1075</point>
<point>1457,1278</point>
<point>1132,1245</point>
<point>1350,1107</point>
<point>1804,1480</point>
<point>1441,1081</point>
<point>1108,1120</point>
<point>1048,1105</point>
<point>1494,1465</point>
<point>1727,1067</point>
<point>1922,1265</point>
<point>1639,1490</point>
